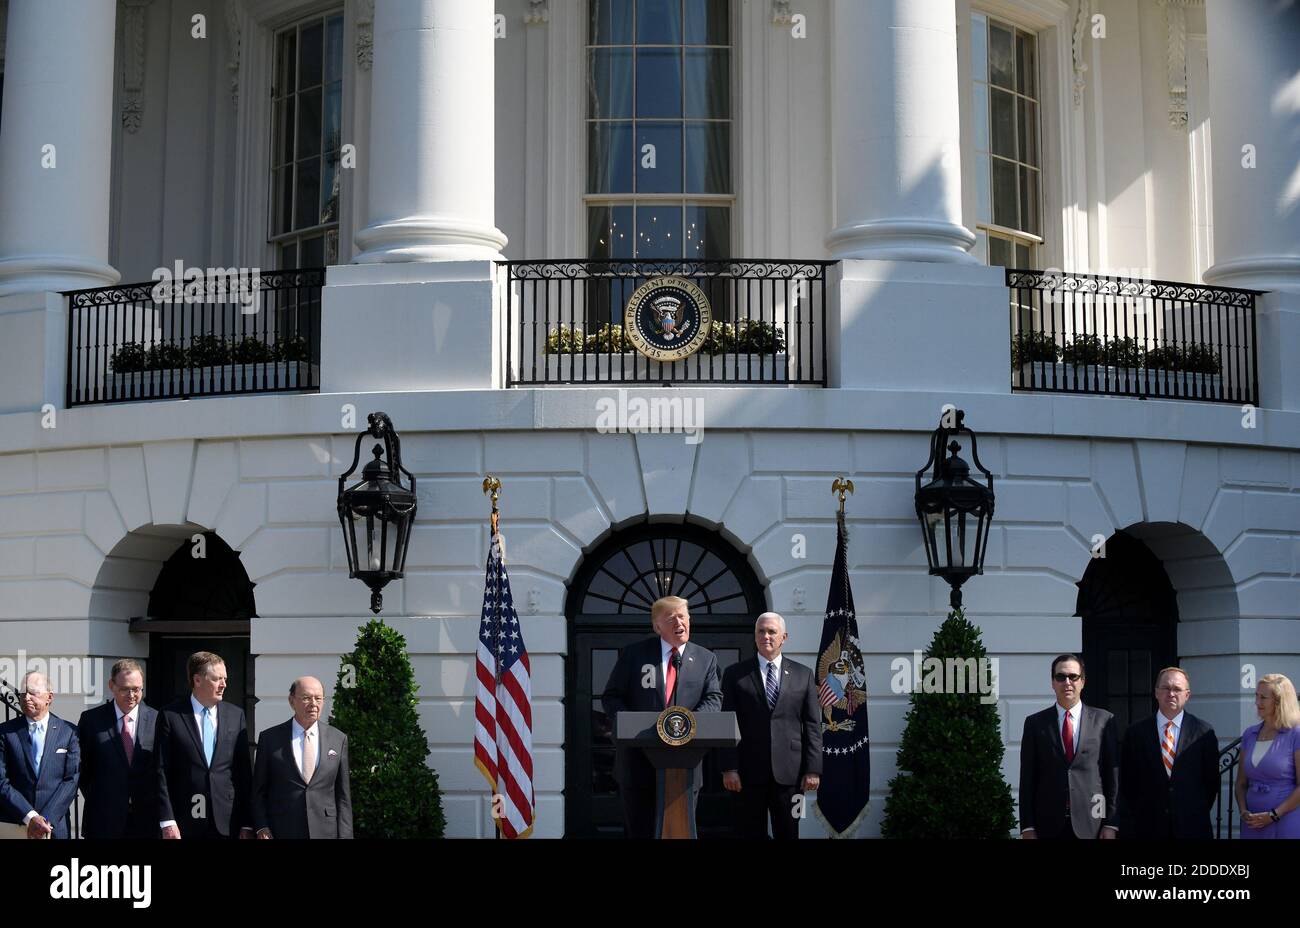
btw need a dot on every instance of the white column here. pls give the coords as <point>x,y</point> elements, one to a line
<point>431,134</point>
<point>56,146</point>
<point>895,132</point>
<point>1255,101</point>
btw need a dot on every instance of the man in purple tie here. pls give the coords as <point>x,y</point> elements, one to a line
<point>119,779</point>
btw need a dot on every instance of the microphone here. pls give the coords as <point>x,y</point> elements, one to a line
<point>676,661</point>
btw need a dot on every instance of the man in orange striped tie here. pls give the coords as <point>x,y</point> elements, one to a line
<point>1169,768</point>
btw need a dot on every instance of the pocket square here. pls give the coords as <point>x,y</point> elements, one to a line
<point>61,751</point>
<point>332,753</point>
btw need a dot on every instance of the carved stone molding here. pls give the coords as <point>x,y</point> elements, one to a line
<point>781,13</point>
<point>1176,58</point>
<point>133,62</point>
<point>539,13</point>
<point>365,34</point>
<point>233,34</point>
<point>1082,18</point>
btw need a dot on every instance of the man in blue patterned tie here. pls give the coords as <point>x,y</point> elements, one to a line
<point>780,752</point>
<point>39,764</point>
<point>204,770</point>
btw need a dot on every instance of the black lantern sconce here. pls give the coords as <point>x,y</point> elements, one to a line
<point>954,509</point>
<point>379,509</point>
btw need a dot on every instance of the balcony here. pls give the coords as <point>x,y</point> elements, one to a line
<point>220,335</point>
<point>1119,336</point>
<point>564,323</point>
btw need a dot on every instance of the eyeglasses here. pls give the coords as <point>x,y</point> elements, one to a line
<point>311,699</point>
<point>130,690</point>
<point>1072,677</point>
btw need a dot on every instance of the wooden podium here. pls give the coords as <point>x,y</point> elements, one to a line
<point>675,764</point>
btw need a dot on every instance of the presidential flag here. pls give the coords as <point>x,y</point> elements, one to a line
<point>503,711</point>
<point>842,692</point>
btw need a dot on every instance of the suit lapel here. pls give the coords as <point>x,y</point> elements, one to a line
<point>286,749</point>
<point>115,734</point>
<point>187,713</point>
<point>760,687</point>
<point>1054,735</point>
<point>25,747</point>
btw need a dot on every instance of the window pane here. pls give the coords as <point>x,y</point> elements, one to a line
<point>288,57</point>
<point>329,189</point>
<point>1003,121</point>
<point>611,22</point>
<point>611,83</point>
<point>334,49</point>
<point>708,232</point>
<point>659,232</point>
<point>609,158</point>
<point>707,83</point>
<point>609,231</point>
<point>309,123</point>
<point>659,83</point>
<point>1027,126</point>
<point>1004,193</point>
<point>313,252</point>
<point>706,22</point>
<point>281,199</point>
<point>999,252</point>
<point>666,156</point>
<point>333,116</point>
<point>1023,260</point>
<point>981,114</point>
<point>1026,65</point>
<point>332,247</point>
<point>708,157</point>
<point>1029,181</point>
<point>659,22</point>
<point>309,56</point>
<point>1001,56</point>
<point>983,199</point>
<point>288,256</point>
<point>284,130</point>
<point>308,205</point>
<point>979,46</point>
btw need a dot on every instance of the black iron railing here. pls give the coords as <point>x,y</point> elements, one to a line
<point>222,335</point>
<point>13,708</point>
<point>564,323</point>
<point>1082,333</point>
<point>1229,758</point>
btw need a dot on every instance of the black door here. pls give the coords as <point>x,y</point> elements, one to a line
<point>168,655</point>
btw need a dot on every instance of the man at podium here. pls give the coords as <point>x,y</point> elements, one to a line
<point>649,676</point>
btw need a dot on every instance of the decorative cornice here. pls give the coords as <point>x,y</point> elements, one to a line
<point>1176,58</point>
<point>365,34</point>
<point>1082,17</point>
<point>781,14</point>
<point>233,35</point>
<point>133,62</point>
<point>539,13</point>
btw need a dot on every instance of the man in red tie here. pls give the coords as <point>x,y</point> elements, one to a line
<point>119,779</point>
<point>1069,763</point>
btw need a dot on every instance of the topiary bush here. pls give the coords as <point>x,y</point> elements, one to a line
<point>950,782</point>
<point>395,794</point>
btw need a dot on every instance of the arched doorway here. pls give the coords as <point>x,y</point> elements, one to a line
<point>608,607</point>
<point>1130,627</point>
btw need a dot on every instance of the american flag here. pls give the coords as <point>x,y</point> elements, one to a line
<point>503,710</point>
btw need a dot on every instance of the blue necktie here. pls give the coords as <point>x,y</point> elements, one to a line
<point>209,735</point>
<point>38,745</point>
<point>773,688</point>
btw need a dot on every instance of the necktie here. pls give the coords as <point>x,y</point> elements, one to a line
<point>209,735</point>
<point>1067,738</point>
<point>773,688</point>
<point>38,744</point>
<point>128,743</point>
<point>670,679</point>
<point>1167,748</point>
<point>308,756</point>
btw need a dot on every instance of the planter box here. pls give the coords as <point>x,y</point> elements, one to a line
<point>225,378</point>
<point>632,366</point>
<point>1119,381</point>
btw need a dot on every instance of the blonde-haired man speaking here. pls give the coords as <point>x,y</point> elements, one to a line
<point>666,670</point>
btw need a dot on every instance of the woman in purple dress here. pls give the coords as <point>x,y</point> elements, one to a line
<point>1267,793</point>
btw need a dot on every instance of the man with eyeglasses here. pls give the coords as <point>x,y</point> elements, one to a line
<point>301,785</point>
<point>1069,763</point>
<point>1169,768</point>
<point>39,764</point>
<point>119,775</point>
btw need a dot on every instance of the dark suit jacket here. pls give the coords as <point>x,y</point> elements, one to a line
<point>183,772</point>
<point>777,745</point>
<point>291,808</point>
<point>1047,782</point>
<point>1156,805</point>
<point>698,689</point>
<point>121,800</point>
<point>51,792</point>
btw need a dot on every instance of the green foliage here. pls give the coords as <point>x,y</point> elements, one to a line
<point>608,338</point>
<point>1031,347</point>
<point>748,336</point>
<point>950,782</point>
<point>251,351</point>
<point>567,339</point>
<point>1084,349</point>
<point>395,794</point>
<point>208,351</point>
<point>292,348</point>
<point>1124,352</point>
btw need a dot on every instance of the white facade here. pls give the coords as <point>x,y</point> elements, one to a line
<point>852,142</point>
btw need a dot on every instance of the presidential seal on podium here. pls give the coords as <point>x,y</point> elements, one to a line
<point>676,726</point>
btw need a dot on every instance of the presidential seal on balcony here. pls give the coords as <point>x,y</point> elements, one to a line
<point>668,318</point>
<point>676,726</point>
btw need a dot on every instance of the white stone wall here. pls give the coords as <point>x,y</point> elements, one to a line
<point>84,531</point>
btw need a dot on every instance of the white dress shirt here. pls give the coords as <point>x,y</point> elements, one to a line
<point>296,740</point>
<point>762,671</point>
<point>135,721</point>
<point>1161,721</point>
<point>666,649</point>
<point>1076,720</point>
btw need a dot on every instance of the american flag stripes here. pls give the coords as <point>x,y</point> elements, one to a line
<point>503,711</point>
